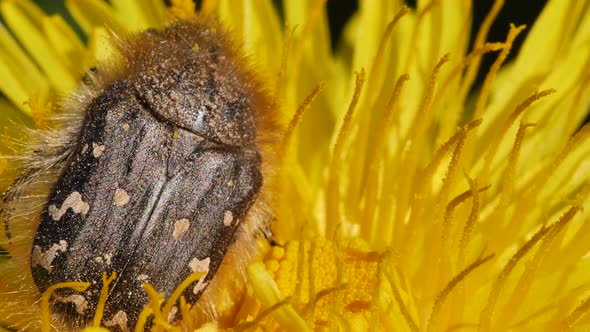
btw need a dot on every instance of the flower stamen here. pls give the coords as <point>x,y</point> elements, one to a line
<point>508,177</point>
<point>403,308</point>
<point>45,306</point>
<point>442,296</point>
<point>194,277</point>
<point>280,83</point>
<point>471,220</point>
<point>296,118</point>
<point>409,159</point>
<point>578,312</point>
<point>526,279</point>
<point>102,299</point>
<point>495,142</point>
<point>413,50</point>
<point>333,190</point>
<point>486,87</point>
<point>480,38</point>
<point>487,313</point>
<point>376,68</point>
<point>380,233</point>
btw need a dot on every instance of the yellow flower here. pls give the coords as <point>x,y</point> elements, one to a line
<point>405,202</point>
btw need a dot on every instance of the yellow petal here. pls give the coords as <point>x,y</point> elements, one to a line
<point>268,293</point>
<point>12,88</point>
<point>135,15</point>
<point>24,23</point>
<point>67,44</point>
<point>21,77</point>
<point>99,46</point>
<point>93,13</point>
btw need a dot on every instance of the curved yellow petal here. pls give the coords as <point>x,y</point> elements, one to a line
<point>267,292</point>
<point>24,23</point>
<point>93,13</point>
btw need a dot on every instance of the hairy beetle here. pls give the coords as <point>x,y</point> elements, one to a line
<point>158,176</point>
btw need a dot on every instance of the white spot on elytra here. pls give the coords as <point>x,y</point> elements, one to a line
<point>125,126</point>
<point>97,150</point>
<point>202,265</point>
<point>228,217</point>
<point>73,201</point>
<point>45,258</point>
<point>180,227</point>
<point>78,300</point>
<point>197,265</point>
<point>172,314</point>
<point>121,197</point>
<point>106,258</point>
<point>142,277</point>
<point>85,148</point>
<point>120,320</point>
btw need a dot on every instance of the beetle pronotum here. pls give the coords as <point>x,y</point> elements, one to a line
<point>157,173</point>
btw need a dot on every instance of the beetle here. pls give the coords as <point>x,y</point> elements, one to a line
<point>158,175</point>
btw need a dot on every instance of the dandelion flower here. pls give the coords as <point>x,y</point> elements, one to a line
<point>405,201</point>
